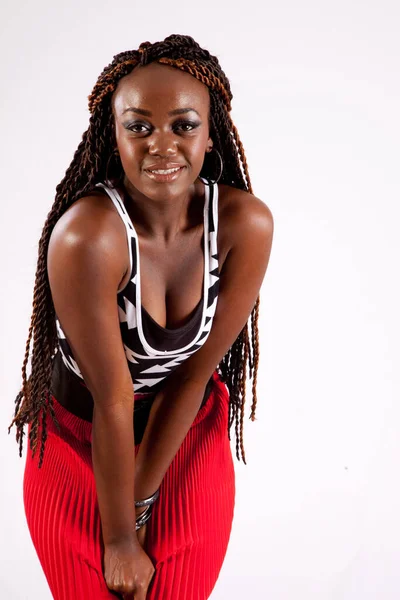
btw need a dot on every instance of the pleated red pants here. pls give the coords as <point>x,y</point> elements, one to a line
<point>189,529</point>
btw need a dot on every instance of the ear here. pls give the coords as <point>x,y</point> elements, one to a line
<point>210,144</point>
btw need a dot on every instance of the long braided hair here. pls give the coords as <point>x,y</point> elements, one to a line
<point>88,166</point>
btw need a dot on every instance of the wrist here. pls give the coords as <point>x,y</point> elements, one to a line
<point>126,542</point>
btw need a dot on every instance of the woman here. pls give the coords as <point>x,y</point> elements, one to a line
<point>148,272</point>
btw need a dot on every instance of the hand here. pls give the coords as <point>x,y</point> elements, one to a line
<point>127,569</point>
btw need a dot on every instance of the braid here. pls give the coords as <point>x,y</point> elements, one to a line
<point>89,166</point>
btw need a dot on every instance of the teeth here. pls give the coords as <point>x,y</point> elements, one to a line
<point>165,171</point>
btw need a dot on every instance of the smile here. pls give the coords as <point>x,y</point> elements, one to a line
<point>164,175</point>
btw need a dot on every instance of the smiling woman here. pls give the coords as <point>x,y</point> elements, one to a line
<point>151,134</point>
<point>150,266</point>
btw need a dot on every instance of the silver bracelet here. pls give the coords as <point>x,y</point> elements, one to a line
<point>144,517</point>
<point>149,500</point>
<point>146,514</point>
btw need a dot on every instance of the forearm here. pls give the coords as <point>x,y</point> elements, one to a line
<point>113,454</point>
<point>172,413</point>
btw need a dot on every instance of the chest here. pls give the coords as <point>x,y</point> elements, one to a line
<point>172,277</point>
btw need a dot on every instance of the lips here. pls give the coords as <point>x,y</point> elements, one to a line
<point>163,166</point>
<point>165,177</point>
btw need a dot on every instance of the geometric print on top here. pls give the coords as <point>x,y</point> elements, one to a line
<point>149,366</point>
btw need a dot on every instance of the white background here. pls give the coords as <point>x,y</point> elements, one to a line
<point>316,102</point>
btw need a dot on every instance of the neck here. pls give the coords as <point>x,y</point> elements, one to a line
<point>165,219</point>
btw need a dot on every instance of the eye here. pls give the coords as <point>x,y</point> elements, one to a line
<point>132,127</point>
<point>184,126</point>
<point>191,124</point>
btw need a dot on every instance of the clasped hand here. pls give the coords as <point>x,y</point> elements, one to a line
<point>128,570</point>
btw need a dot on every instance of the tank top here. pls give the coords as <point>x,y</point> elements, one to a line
<point>153,351</point>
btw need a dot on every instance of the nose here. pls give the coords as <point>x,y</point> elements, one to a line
<point>162,145</point>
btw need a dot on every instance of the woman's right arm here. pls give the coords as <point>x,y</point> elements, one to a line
<point>86,262</point>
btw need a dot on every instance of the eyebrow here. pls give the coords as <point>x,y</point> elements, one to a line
<point>147,113</point>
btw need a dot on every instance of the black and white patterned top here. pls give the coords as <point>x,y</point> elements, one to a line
<point>152,351</point>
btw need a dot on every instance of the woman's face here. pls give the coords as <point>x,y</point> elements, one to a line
<point>161,117</point>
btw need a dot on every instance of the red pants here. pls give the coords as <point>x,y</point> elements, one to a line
<point>187,534</point>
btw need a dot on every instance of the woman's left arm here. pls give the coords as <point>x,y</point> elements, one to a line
<point>177,404</point>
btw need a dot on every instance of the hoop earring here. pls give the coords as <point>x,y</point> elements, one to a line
<point>115,152</point>
<point>212,182</point>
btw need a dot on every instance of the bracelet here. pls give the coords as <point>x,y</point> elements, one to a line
<point>144,517</point>
<point>149,500</point>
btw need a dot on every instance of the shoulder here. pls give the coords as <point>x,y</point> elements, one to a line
<point>92,214</point>
<point>91,225</point>
<point>90,218</point>
<point>242,214</point>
